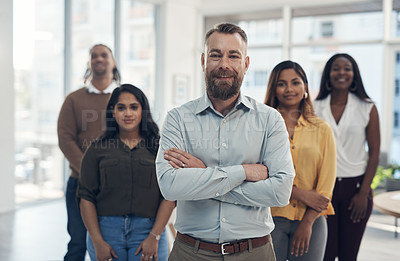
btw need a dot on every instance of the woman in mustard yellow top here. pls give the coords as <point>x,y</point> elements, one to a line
<point>300,227</point>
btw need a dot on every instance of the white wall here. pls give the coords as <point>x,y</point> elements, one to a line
<point>181,46</point>
<point>7,180</point>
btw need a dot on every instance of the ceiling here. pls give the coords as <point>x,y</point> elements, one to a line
<point>253,9</point>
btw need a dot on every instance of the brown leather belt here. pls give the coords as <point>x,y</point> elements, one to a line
<point>226,248</point>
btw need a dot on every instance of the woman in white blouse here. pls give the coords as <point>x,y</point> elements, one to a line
<point>343,102</point>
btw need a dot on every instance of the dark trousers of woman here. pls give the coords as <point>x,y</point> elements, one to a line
<point>344,236</point>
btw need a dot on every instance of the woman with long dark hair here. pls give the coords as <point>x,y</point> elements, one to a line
<point>300,228</point>
<point>343,102</point>
<point>121,204</point>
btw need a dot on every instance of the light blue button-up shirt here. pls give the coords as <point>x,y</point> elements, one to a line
<point>217,204</point>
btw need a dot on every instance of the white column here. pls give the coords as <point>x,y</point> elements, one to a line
<point>386,117</point>
<point>7,178</point>
<point>178,55</point>
<point>287,24</point>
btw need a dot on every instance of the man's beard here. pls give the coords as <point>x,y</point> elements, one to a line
<point>99,71</point>
<point>223,90</point>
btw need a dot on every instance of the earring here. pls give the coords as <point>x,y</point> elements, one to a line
<point>328,88</point>
<point>305,96</point>
<point>353,88</point>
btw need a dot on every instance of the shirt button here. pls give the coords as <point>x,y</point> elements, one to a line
<point>224,145</point>
<point>224,121</point>
<point>236,203</point>
<point>217,194</point>
<point>223,219</point>
<point>293,147</point>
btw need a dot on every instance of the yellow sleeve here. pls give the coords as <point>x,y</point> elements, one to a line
<point>327,166</point>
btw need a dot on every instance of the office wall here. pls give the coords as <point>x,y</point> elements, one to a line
<point>180,47</point>
<point>7,180</point>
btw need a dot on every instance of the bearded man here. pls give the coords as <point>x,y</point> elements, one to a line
<point>213,158</point>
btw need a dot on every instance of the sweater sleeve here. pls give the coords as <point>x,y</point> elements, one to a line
<point>68,135</point>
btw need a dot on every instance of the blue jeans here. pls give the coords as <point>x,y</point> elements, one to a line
<point>76,228</point>
<point>124,234</point>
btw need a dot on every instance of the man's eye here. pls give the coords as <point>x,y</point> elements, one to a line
<point>215,55</point>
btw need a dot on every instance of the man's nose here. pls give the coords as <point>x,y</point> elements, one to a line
<point>224,62</point>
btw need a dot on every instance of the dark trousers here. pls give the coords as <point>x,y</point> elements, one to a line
<point>344,236</point>
<point>76,228</point>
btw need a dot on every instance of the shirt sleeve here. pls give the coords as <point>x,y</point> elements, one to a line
<point>327,168</point>
<point>277,188</point>
<point>89,179</point>
<point>191,183</point>
<point>68,135</point>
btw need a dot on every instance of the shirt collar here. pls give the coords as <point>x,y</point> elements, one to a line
<point>205,103</point>
<point>302,121</point>
<point>110,88</point>
<point>140,145</point>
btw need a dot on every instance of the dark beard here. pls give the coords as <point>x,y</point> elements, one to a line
<point>222,90</point>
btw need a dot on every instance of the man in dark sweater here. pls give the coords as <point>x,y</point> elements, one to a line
<point>81,120</point>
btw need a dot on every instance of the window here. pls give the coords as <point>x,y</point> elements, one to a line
<point>138,46</point>
<point>345,27</point>
<point>396,120</point>
<point>38,67</point>
<point>263,31</point>
<point>92,23</point>
<point>262,61</point>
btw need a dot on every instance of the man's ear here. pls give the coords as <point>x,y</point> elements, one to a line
<point>115,64</point>
<point>203,61</point>
<point>247,63</point>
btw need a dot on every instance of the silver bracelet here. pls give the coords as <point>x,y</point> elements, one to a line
<point>156,236</point>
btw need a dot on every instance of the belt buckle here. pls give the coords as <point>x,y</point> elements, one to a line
<point>222,248</point>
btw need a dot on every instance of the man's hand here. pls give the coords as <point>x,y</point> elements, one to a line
<point>181,159</point>
<point>255,172</point>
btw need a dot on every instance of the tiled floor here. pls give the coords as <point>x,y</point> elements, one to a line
<point>38,233</point>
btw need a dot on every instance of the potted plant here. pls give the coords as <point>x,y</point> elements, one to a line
<point>388,177</point>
